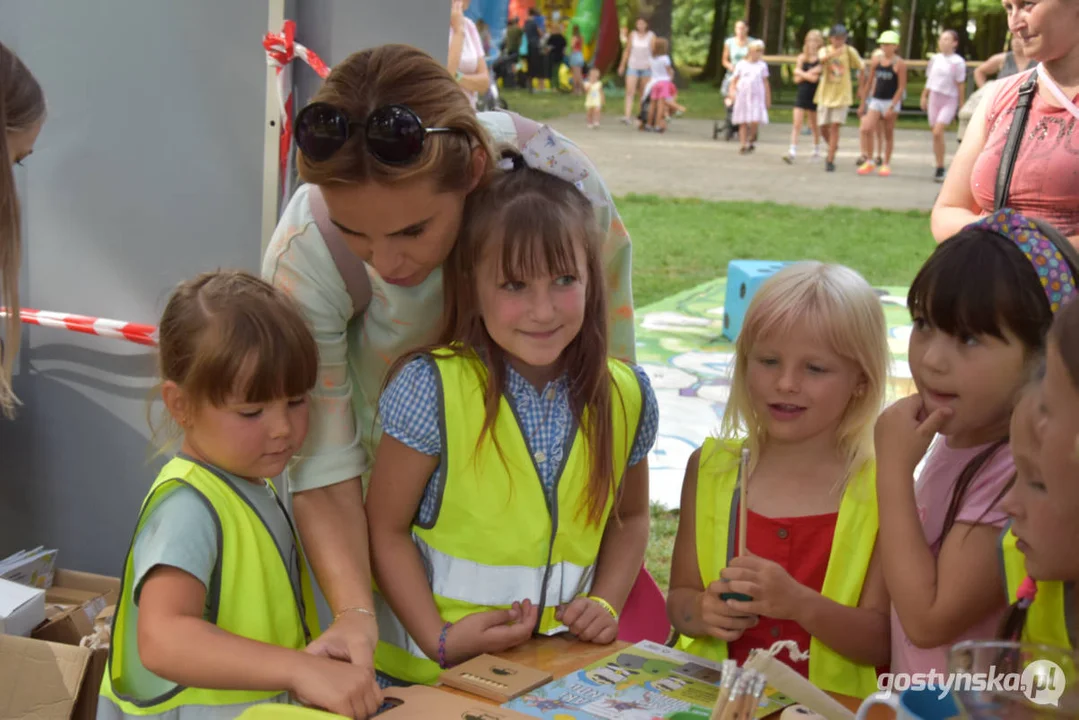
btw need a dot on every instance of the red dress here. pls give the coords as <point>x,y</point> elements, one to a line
<point>802,546</point>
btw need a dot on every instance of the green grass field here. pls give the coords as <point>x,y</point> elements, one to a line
<point>678,244</point>
<point>702,101</point>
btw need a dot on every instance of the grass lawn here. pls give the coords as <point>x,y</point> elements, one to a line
<point>678,244</point>
<point>701,100</point>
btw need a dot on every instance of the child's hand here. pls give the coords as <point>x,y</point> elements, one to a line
<point>723,622</point>
<point>588,620</point>
<point>337,686</point>
<point>490,631</point>
<point>924,102</point>
<point>775,593</point>
<point>903,433</point>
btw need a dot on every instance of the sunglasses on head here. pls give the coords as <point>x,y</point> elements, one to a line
<point>394,134</point>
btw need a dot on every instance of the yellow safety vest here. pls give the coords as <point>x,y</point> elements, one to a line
<point>492,543</point>
<point>852,548</point>
<point>1047,617</point>
<point>253,596</point>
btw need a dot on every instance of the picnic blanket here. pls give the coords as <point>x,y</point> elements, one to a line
<point>680,345</point>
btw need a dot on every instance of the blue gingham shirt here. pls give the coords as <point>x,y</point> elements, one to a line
<point>410,412</point>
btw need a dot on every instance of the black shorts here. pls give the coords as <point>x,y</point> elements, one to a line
<point>804,98</point>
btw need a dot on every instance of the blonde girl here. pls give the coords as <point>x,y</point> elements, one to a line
<point>510,489</point>
<point>216,611</point>
<point>751,95</point>
<point>809,379</point>
<point>807,69</point>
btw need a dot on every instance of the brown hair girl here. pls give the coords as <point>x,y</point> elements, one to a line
<point>228,334</point>
<point>22,112</point>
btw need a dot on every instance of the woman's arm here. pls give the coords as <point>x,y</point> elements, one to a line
<point>325,480</point>
<point>955,207</point>
<point>625,54</point>
<point>991,66</point>
<point>625,539</point>
<point>727,57</point>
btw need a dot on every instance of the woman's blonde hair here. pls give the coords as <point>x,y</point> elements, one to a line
<point>400,75</point>
<point>846,313</point>
<point>22,105</point>
<point>813,34</point>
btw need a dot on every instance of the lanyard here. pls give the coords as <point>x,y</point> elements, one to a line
<point>1063,99</point>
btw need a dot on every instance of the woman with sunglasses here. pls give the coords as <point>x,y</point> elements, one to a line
<point>389,150</point>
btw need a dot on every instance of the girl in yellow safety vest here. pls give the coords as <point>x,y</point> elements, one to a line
<point>809,379</point>
<point>216,610</point>
<point>510,488</point>
<point>981,306</point>
<point>1043,504</point>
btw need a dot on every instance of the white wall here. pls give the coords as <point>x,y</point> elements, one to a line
<point>149,171</point>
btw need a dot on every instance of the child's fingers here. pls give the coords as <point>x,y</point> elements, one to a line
<point>573,611</point>
<point>595,626</point>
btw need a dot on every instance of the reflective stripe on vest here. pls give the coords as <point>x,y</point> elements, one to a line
<point>491,543</point>
<point>253,595</point>
<point>1049,616</point>
<point>852,547</point>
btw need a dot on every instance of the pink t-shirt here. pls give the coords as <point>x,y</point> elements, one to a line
<point>944,72</point>
<point>933,494</point>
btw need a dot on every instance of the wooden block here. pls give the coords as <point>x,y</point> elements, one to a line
<point>494,678</point>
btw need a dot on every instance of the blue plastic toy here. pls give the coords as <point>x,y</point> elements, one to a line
<point>743,279</point>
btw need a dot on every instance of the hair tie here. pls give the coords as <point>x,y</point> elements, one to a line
<point>1050,262</point>
<point>512,160</point>
<point>1028,590</point>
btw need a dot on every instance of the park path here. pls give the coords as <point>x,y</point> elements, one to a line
<point>686,162</point>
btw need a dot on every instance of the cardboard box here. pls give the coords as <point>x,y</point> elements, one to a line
<point>41,680</point>
<point>22,608</point>
<point>48,675</point>
<point>72,604</point>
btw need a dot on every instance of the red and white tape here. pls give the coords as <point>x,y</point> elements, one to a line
<point>132,332</point>
<point>281,49</point>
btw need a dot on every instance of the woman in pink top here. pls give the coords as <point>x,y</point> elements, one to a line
<point>1045,181</point>
<point>980,315</point>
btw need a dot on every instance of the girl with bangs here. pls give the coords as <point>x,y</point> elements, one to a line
<point>216,611</point>
<point>809,377</point>
<point>510,489</point>
<point>981,306</point>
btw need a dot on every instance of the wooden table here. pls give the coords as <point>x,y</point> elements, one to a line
<point>563,654</point>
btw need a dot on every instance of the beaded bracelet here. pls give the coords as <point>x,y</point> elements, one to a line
<point>604,604</point>
<point>442,645</point>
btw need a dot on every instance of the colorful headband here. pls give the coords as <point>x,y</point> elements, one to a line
<point>1055,273</point>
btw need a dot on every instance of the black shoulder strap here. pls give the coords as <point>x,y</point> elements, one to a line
<point>1015,137</point>
<point>353,270</point>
